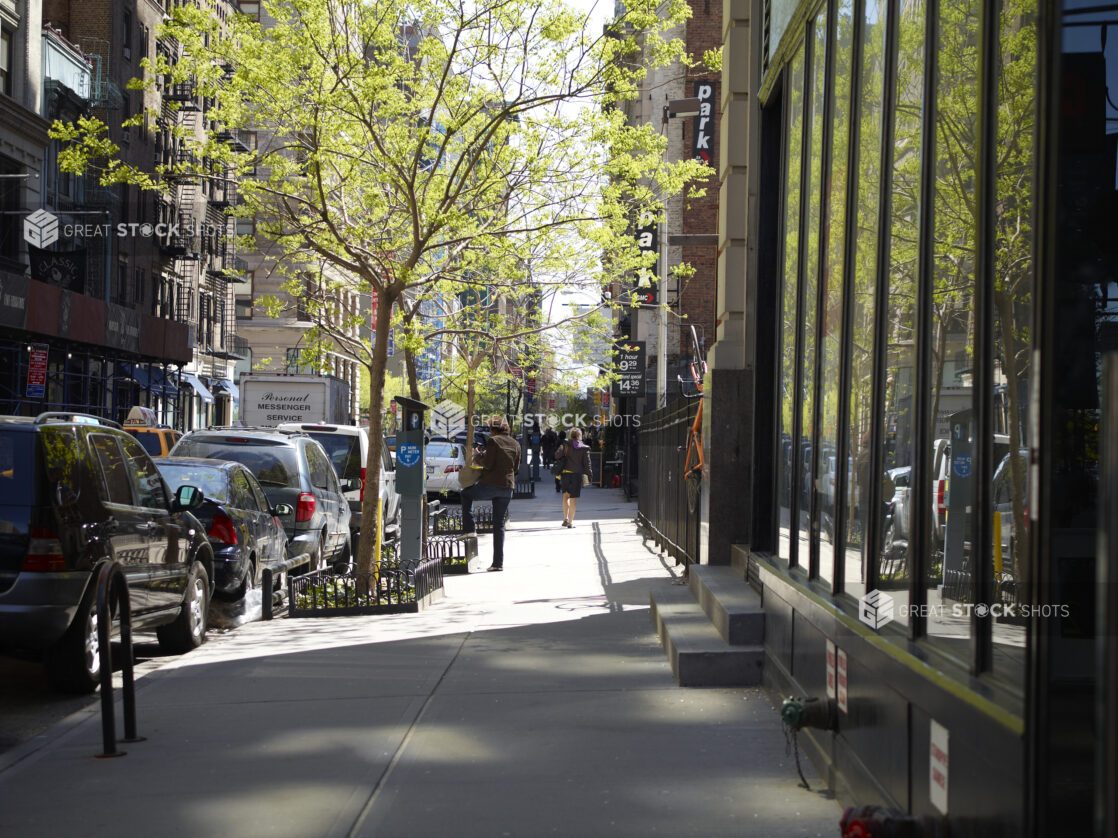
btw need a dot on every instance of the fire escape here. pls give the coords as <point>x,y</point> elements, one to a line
<point>199,242</point>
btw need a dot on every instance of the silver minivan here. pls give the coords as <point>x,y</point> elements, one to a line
<point>347,446</point>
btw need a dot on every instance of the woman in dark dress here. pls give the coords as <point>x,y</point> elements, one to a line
<point>575,458</point>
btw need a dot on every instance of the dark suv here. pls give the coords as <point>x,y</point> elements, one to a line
<point>292,469</point>
<point>76,491</point>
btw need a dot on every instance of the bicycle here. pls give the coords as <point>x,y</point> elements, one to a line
<point>694,461</point>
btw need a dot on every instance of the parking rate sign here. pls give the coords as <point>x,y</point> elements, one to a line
<point>630,363</point>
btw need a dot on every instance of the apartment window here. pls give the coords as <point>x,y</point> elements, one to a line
<point>244,308</point>
<point>6,62</point>
<point>251,9</point>
<point>123,276</point>
<point>126,41</point>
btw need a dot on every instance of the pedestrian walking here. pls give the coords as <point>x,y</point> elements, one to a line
<point>548,443</point>
<point>559,441</point>
<point>498,478</point>
<point>534,442</point>
<point>575,459</point>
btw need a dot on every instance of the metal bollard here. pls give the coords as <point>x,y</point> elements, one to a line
<point>266,581</point>
<point>111,586</point>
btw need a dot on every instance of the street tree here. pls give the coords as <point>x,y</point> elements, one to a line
<point>406,143</point>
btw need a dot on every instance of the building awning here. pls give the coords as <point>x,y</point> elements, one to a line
<point>162,380</point>
<point>139,375</point>
<point>227,386</point>
<point>199,387</point>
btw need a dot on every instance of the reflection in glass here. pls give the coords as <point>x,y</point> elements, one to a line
<point>813,198</point>
<point>950,573</point>
<point>864,290</point>
<point>831,317</point>
<point>904,225</point>
<point>1013,314</point>
<point>787,459</point>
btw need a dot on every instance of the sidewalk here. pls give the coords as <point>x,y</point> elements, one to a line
<point>527,703</point>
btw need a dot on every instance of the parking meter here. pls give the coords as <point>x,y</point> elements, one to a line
<point>411,478</point>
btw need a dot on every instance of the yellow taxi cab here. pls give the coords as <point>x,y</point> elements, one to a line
<point>158,440</point>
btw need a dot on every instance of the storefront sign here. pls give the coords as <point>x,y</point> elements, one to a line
<point>13,301</point>
<point>37,371</point>
<point>703,145</point>
<point>648,240</point>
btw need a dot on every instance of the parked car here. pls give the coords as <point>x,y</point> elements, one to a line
<point>243,528</point>
<point>347,446</point>
<point>444,461</point>
<point>1005,489</point>
<point>941,482</point>
<point>77,491</point>
<point>293,469</point>
<point>898,514</point>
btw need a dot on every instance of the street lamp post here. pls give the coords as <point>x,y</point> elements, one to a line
<point>674,108</point>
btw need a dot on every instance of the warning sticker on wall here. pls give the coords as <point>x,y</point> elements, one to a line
<point>830,668</point>
<point>842,682</point>
<point>938,771</point>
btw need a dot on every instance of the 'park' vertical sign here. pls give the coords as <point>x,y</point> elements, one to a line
<point>703,145</point>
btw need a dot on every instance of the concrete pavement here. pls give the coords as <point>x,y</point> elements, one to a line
<point>527,703</point>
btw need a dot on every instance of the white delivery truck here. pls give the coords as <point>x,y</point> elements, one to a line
<point>271,399</point>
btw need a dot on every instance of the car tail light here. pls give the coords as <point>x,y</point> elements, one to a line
<point>941,505</point>
<point>304,507</point>
<point>362,484</point>
<point>451,469</point>
<point>44,552</point>
<point>222,529</point>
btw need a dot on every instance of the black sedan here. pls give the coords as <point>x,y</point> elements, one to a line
<point>243,529</point>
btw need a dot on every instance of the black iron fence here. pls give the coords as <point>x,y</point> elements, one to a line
<point>666,505</point>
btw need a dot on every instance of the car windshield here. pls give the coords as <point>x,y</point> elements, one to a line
<point>17,468</point>
<point>272,465</point>
<point>344,451</point>
<point>149,440</point>
<point>211,480</point>
<point>442,449</point>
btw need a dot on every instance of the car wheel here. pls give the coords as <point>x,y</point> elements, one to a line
<point>73,664</point>
<point>188,631</point>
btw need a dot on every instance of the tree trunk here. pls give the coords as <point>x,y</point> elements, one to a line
<point>413,374</point>
<point>1003,302</point>
<point>367,555</point>
<point>469,418</point>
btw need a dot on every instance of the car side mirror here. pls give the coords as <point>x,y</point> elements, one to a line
<point>281,509</point>
<point>188,498</point>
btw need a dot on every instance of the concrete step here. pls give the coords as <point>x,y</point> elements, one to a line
<point>732,606</point>
<point>699,656</point>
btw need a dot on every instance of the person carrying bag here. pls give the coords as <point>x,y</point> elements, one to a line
<point>495,482</point>
<point>573,463</point>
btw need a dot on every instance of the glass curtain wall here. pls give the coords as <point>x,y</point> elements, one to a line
<point>1013,282</point>
<point>897,435</point>
<point>863,328</point>
<point>789,456</point>
<point>863,289</point>
<point>833,468</point>
<point>813,200</point>
<point>949,574</point>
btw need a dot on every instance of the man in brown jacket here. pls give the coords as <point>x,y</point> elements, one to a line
<point>498,464</point>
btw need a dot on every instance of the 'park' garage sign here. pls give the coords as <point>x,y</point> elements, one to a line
<point>704,122</point>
